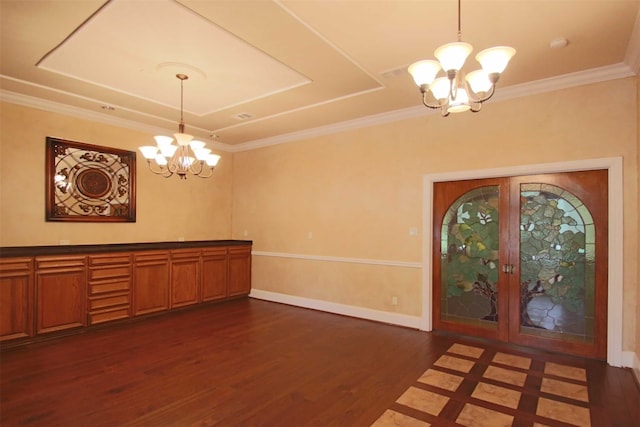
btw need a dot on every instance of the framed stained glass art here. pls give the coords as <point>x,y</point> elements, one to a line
<point>89,183</point>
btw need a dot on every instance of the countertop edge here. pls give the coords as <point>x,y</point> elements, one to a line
<point>27,251</point>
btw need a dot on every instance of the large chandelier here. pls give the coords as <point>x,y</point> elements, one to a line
<point>457,91</point>
<point>188,156</point>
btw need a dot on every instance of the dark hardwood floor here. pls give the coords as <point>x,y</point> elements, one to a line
<point>254,363</point>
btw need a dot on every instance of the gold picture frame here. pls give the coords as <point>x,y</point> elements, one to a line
<point>89,183</point>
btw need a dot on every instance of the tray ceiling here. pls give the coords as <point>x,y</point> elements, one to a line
<point>262,71</point>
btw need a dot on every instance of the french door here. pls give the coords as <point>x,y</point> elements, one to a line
<point>524,260</point>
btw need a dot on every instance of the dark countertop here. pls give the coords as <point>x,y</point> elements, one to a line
<point>16,251</point>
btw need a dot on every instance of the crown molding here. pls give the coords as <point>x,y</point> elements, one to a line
<point>83,113</point>
<point>617,71</point>
<point>594,75</point>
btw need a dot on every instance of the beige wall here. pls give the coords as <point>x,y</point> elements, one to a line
<point>359,192</point>
<point>167,209</point>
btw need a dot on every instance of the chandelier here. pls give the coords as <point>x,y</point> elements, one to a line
<point>188,156</point>
<point>458,91</point>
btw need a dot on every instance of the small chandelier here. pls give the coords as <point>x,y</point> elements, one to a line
<point>457,92</point>
<point>189,156</point>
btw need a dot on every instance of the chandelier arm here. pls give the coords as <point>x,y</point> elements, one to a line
<point>199,173</point>
<point>426,104</point>
<point>163,172</point>
<point>483,98</point>
<point>475,109</point>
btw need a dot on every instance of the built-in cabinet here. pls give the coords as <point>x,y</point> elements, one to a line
<point>239,271</point>
<point>16,298</point>
<point>61,293</point>
<point>151,282</point>
<point>185,277</point>
<point>109,287</point>
<point>214,274</point>
<point>49,293</point>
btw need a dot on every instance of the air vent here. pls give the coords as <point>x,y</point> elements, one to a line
<point>243,116</point>
<point>389,74</point>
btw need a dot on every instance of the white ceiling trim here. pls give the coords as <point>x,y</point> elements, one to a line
<point>540,86</point>
<point>328,42</point>
<point>594,75</point>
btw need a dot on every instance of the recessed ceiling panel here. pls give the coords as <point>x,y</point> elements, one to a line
<point>136,49</point>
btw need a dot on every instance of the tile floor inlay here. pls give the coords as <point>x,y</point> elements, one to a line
<point>454,363</point>
<point>485,395</point>
<point>511,360</point>
<point>423,400</point>
<point>565,371</point>
<point>395,419</point>
<point>441,379</point>
<point>505,375</point>
<point>475,416</point>
<point>466,350</point>
<point>498,395</point>
<point>570,414</point>
<point>562,388</point>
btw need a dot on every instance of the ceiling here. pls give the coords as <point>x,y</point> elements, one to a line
<point>263,72</point>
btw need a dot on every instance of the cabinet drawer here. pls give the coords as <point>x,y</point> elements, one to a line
<point>60,262</point>
<point>15,264</point>
<point>108,315</point>
<point>185,253</point>
<point>98,303</point>
<point>214,252</point>
<point>151,257</point>
<point>108,272</point>
<point>240,250</point>
<point>109,259</point>
<point>101,288</point>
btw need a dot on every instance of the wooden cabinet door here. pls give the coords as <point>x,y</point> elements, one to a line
<point>151,282</point>
<point>214,274</point>
<point>239,270</point>
<point>16,298</point>
<point>61,293</point>
<point>185,277</point>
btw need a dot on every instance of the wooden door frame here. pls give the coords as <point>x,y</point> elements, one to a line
<point>615,276</point>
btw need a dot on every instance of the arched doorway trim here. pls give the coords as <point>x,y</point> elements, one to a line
<point>615,279</point>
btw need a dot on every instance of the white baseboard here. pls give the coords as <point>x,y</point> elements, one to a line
<point>633,363</point>
<point>335,308</point>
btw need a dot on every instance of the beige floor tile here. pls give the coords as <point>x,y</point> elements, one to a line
<point>466,350</point>
<point>475,416</point>
<point>498,395</point>
<point>441,379</point>
<point>423,400</point>
<point>562,388</point>
<point>571,414</point>
<point>505,375</point>
<point>511,360</point>
<point>565,371</point>
<point>395,419</point>
<point>454,363</point>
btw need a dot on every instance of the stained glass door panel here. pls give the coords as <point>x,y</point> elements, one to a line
<point>523,259</point>
<point>469,258</point>
<point>559,280</point>
<point>557,263</point>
